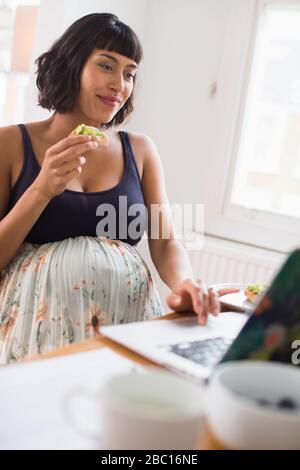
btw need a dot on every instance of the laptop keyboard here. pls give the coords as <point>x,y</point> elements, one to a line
<point>207,352</point>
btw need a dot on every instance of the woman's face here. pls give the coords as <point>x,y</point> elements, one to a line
<point>106,85</point>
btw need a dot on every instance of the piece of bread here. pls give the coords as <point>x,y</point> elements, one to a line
<point>253,292</point>
<point>83,129</point>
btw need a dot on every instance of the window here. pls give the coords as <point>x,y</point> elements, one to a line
<point>18,19</point>
<point>268,160</point>
<point>258,200</point>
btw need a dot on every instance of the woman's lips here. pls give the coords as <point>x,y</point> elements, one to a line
<point>110,103</point>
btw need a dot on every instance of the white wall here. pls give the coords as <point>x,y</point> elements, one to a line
<point>182,43</point>
<point>183,50</point>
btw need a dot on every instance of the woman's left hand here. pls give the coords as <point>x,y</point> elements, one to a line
<point>194,296</point>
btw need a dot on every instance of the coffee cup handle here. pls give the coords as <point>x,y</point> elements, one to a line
<point>69,411</point>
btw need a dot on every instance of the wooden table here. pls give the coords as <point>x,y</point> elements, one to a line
<point>208,441</point>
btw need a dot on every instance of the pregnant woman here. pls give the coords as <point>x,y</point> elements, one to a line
<point>68,231</point>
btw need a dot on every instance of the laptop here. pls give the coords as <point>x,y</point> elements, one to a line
<point>269,333</point>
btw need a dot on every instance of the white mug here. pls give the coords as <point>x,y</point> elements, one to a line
<point>145,410</point>
<point>255,405</point>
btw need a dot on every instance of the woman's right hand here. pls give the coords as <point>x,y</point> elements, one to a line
<point>62,163</point>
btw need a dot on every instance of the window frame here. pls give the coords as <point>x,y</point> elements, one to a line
<point>224,219</point>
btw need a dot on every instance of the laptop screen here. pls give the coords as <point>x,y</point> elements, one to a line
<point>272,333</point>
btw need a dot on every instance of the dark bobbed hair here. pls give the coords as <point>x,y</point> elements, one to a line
<point>59,69</point>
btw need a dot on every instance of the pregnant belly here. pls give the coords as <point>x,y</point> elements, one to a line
<point>83,273</point>
<point>57,293</point>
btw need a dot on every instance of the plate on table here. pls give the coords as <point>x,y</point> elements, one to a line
<point>236,301</point>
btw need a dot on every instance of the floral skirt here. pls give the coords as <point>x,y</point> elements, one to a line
<point>58,293</point>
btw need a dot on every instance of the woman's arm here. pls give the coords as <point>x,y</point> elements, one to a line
<point>61,164</point>
<point>171,261</point>
<point>17,223</point>
<point>167,253</point>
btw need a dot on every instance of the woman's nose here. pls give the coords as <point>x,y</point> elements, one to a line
<point>117,83</point>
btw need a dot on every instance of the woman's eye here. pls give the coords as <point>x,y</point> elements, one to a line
<point>105,66</point>
<point>129,76</point>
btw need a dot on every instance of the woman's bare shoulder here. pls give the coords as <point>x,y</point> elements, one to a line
<point>8,133</point>
<point>141,143</point>
<point>10,142</point>
<point>11,138</point>
<point>138,138</point>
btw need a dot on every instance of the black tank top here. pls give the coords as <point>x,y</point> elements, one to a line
<point>116,213</point>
